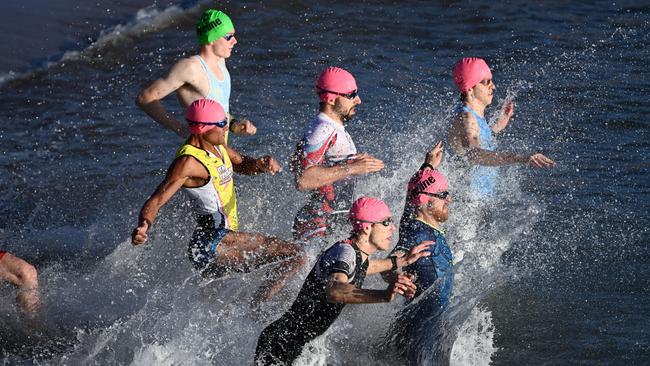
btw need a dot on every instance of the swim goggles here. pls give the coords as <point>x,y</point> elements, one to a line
<point>221,124</point>
<point>385,222</point>
<point>441,195</point>
<point>350,95</point>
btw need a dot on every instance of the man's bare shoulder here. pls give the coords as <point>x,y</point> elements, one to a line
<point>187,64</point>
<point>187,166</point>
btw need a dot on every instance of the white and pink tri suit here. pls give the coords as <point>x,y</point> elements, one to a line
<point>324,143</point>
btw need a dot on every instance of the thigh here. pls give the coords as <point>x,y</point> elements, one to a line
<point>249,250</point>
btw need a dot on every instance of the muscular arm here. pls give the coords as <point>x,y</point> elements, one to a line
<point>339,291</point>
<point>317,175</point>
<point>177,174</point>
<point>404,259</point>
<point>465,140</point>
<point>149,99</point>
<point>182,171</point>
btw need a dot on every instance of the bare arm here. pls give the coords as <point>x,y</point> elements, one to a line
<point>318,176</point>
<point>179,172</point>
<point>434,157</point>
<point>507,112</point>
<point>149,99</point>
<point>246,165</point>
<point>403,259</point>
<point>479,156</point>
<point>339,291</point>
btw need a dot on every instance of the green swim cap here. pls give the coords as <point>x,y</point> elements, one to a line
<point>213,24</point>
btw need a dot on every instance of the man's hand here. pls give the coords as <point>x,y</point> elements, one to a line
<point>268,164</point>
<point>540,161</point>
<point>364,164</point>
<point>508,109</point>
<point>243,127</point>
<point>139,235</point>
<point>416,253</point>
<point>434,157</point>
<point>403,285</point>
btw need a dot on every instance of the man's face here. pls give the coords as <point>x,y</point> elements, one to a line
<point>484,91</point>
<point>345,107</point>
<point>222,46</point>
<point>439,207</point>
<point>381,235</point>
<point>216,136</point>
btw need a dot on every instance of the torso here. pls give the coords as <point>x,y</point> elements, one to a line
<point>436,269</point>
<point>324,143</point>
<point>311,303</point>
<point>206,81</point>
<point>482,179</point>
<point>216,196</point>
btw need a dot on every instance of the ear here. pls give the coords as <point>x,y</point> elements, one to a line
<point>367,229</point>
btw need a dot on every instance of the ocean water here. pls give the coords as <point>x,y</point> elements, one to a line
<point>561,276</point>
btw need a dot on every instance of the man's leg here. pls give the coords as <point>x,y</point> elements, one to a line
<point>24,276</point>
<point>241,251</point>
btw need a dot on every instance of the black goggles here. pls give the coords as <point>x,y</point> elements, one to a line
<point>350,95</point>
<point>221,124</point>
<point>441,195</point>
<point>385,222</point>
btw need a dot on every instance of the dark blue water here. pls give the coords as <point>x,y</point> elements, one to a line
<point>562,278</point>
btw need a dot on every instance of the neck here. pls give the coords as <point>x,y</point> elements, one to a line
<point>363,243</point>
<point>201,143</point>
<point>329,112</point>
<point>429,219</point>
<point>208,56</point>
<point>476,106</point>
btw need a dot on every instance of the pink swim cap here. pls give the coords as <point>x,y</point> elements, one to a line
<point>367,209</point>
<point>469,71</point>
<point>204,110</point>
<point>334,79</point>
<point>429,181</point>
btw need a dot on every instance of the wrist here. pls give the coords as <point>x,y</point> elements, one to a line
<point>388,294</point>
<point>393,261</point>
<point>232,124</point>
<point>258,168</point>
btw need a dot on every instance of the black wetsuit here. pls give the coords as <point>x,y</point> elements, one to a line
<point>311,314</point>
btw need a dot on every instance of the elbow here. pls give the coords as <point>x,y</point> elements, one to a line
<point>28,277</point>
<point>139,100</point>
<point>301,185</point>
<point>143,99</point>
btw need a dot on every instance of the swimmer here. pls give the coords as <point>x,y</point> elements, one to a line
<point>204,170</point>
<point>326,162</point>
<point>470,136</point>
<point>336,280</point>
<point>201,76</point>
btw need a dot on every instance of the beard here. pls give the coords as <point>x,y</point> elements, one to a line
<point>346,115</point>
<point>441,215</point>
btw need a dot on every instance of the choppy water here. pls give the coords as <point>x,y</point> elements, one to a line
<point>561,278</point>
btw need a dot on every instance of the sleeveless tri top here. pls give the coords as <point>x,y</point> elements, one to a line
<point>217,197</point>
<point>483,180</point>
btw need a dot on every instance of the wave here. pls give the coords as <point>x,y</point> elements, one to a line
<point>145,21</point>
